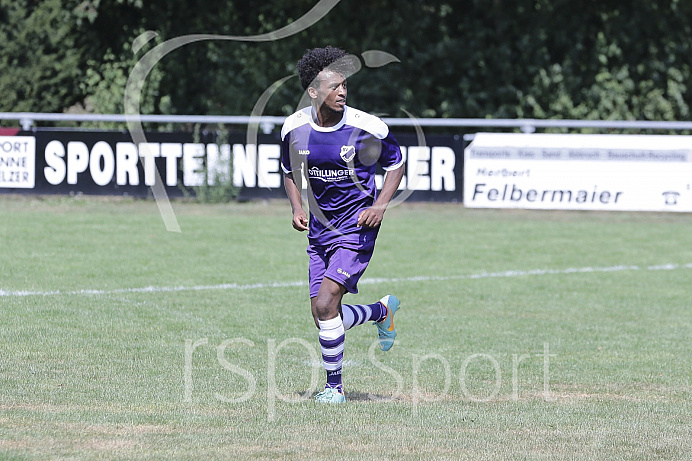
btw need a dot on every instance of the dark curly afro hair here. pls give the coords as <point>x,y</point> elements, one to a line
<point>316,60</point>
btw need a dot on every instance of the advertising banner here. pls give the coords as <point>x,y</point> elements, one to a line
<point>17,162</point>
<point>579,172</point>
<point>109,163</point>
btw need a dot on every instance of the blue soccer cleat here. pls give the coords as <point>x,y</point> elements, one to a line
<point>385,327</point>
<point>331,395</point>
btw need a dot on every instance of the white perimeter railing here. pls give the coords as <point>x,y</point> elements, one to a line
<point>267,123</point>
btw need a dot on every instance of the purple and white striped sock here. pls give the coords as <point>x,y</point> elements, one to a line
<point>332,343</point>
<point>358,314</point>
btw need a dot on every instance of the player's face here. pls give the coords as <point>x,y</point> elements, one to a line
<point>331,90</point>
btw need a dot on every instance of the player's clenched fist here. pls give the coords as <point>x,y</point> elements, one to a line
<point>300,221</point>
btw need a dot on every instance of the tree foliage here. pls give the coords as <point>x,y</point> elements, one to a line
<point>583,59</point>
<point>41,60</point>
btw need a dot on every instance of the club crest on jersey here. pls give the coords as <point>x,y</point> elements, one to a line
<point>347,153</point>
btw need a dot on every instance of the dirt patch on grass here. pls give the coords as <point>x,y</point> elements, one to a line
<point>13,445</point>
<point>555,393</point>
<point>106,445</point>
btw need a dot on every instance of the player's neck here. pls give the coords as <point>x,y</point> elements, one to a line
<point>327,117</point>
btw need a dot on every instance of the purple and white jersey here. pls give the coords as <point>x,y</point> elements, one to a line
<point>340,163</point>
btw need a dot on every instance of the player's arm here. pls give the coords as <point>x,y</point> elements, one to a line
<point>372,217</point>
<point>300,218</point>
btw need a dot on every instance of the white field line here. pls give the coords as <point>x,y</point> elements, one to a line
<point>368,281</point>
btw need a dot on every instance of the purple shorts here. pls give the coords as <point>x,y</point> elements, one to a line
<point>343,265</point>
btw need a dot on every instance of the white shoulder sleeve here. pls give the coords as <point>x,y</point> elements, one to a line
<point>295,120</point>
<point>367,122</point>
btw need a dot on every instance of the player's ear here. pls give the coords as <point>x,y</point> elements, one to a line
<point>312,92</point>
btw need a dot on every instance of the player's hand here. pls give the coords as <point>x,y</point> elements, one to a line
<point>370,217</point>
<point>300,221</point>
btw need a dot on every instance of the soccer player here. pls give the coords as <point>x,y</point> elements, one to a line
<point>339,147</point>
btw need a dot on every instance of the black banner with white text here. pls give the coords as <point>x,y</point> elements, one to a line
<point>109,163</point>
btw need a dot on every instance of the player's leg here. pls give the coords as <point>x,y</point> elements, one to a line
<point>347,266</point>
<point>358,314</point>
<point>316,268</point>
<point>325,299</point>
<point>328,299</point>
<point>331,337</point>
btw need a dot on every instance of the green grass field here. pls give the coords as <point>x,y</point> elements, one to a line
<point>522,335</point>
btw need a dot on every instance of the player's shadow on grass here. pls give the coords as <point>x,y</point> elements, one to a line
<point>358,397</point>
<point>369,396</point>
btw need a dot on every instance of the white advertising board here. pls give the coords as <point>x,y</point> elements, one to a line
<point>579,172</point>
<point>17,161</point>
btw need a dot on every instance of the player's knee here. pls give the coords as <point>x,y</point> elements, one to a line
<point>326,308</point>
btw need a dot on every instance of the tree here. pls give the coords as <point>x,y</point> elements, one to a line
<point>458,58</point>
<point>40,65</point>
